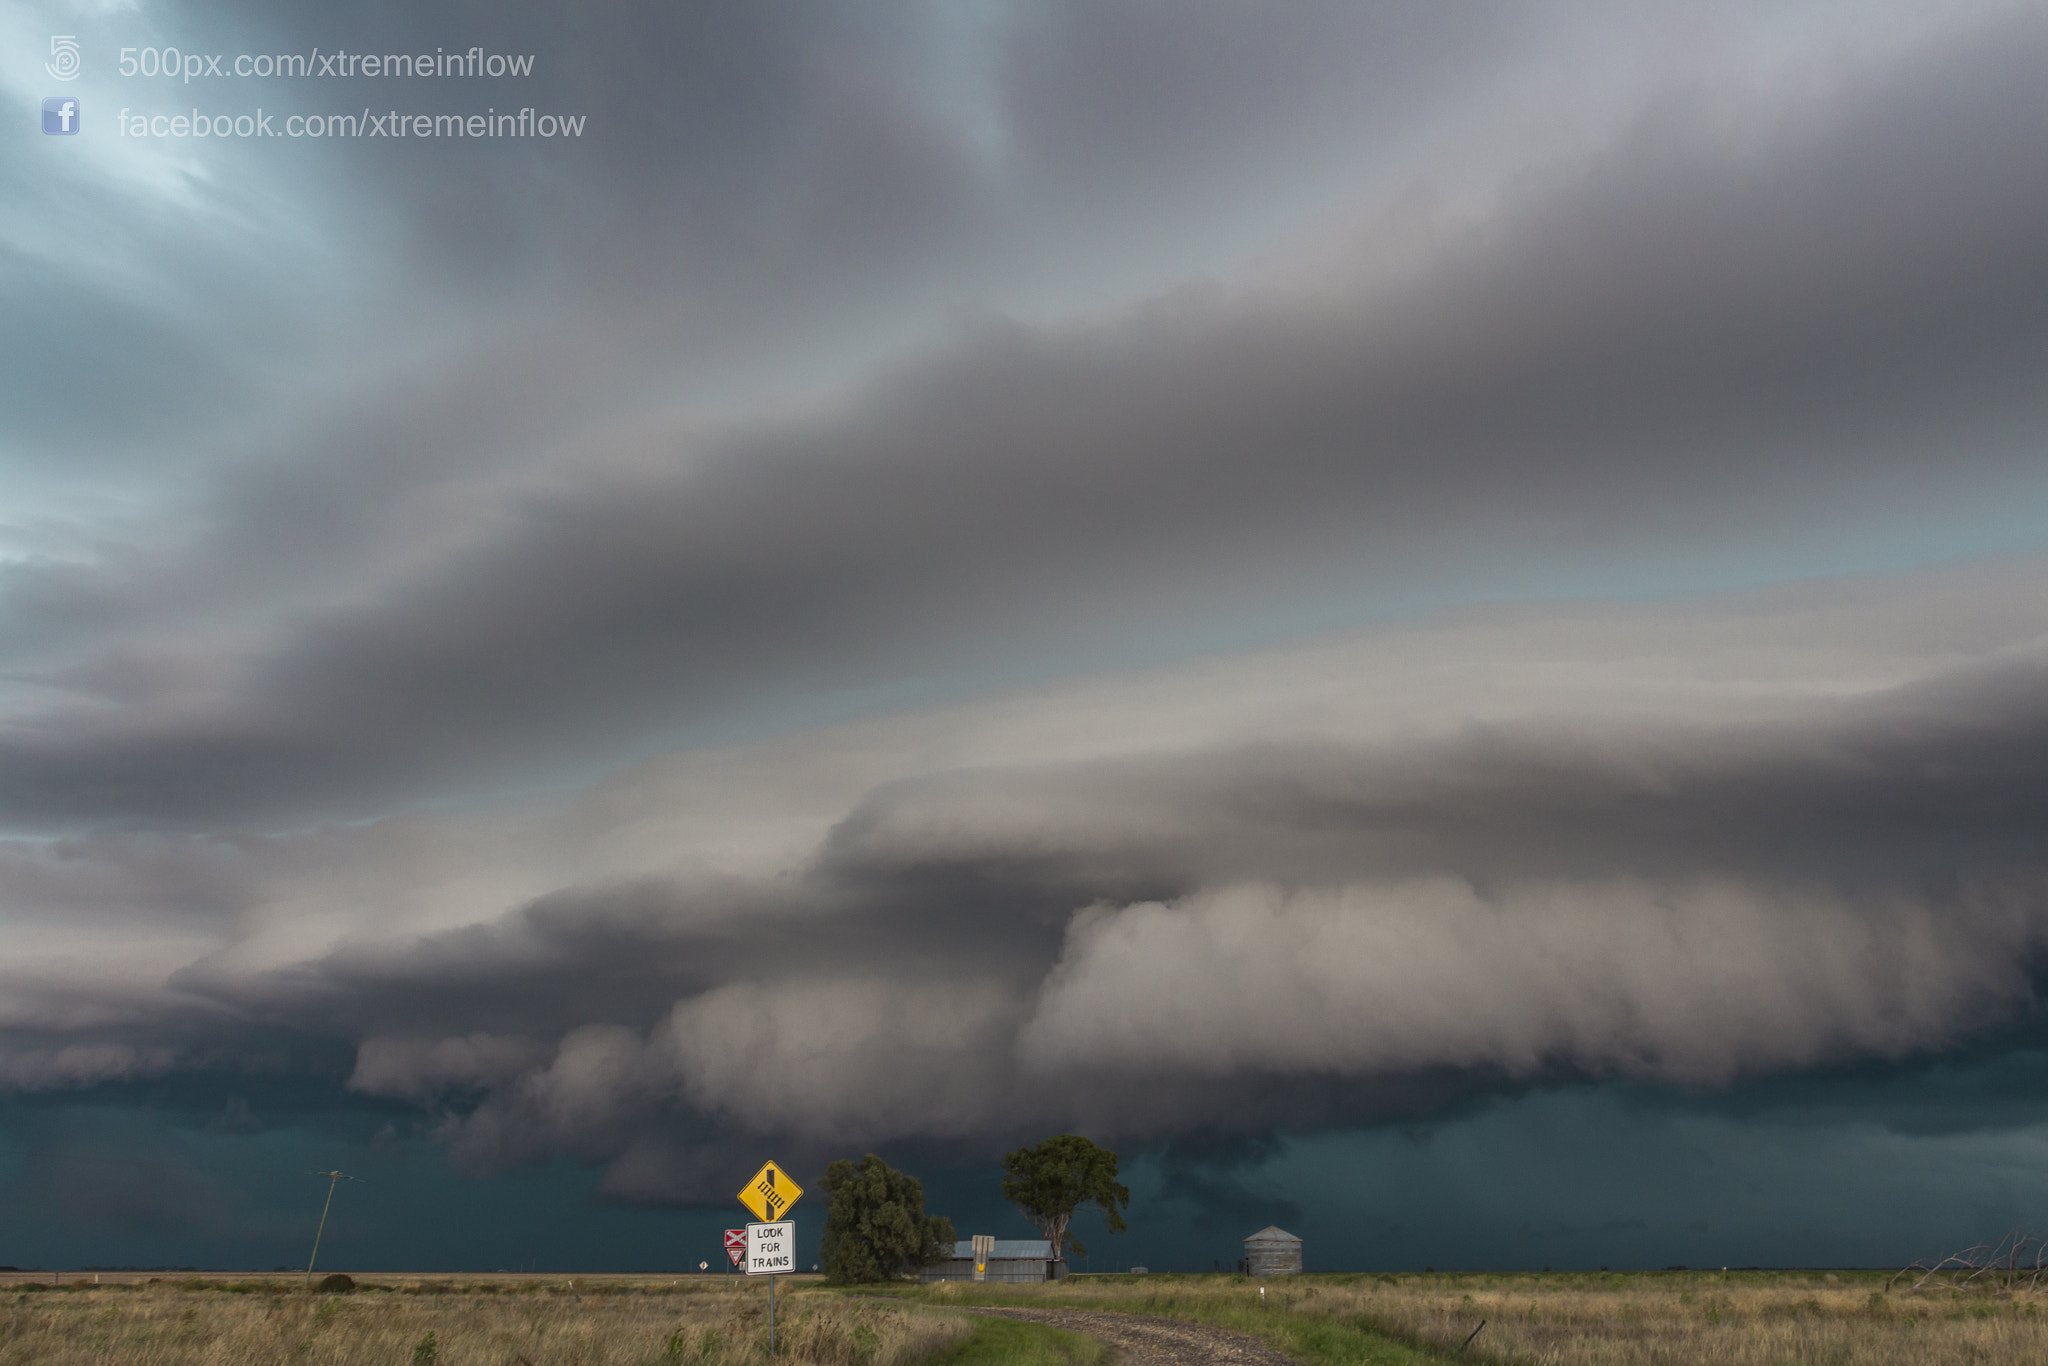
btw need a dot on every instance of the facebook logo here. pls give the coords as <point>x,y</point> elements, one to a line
<point>60,115</point>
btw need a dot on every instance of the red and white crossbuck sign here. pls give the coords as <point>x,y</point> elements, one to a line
<point>736,1245</point>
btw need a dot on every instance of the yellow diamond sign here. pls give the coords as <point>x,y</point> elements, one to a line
<point>770,1193</point>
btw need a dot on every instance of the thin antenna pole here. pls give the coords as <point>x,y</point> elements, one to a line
<point>334,1178</point>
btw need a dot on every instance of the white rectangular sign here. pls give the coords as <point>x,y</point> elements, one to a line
<point>771,1248</point>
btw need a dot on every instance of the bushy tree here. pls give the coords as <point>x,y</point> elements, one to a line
<point>1050,1181</point>
<point>875,1224</point>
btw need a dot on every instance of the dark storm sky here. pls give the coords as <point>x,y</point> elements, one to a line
<point>1429,618</point>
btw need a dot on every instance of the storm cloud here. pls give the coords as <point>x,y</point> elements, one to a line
<point>1355,878</point>
<point>1180,574</point>
<point>1701,336</point>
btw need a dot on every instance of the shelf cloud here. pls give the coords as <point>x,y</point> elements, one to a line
<point>1353,877</point>
<point>1185,575</point>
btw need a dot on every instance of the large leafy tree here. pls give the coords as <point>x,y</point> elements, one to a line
<point>875,1224</point>
<point>1049,1182</point>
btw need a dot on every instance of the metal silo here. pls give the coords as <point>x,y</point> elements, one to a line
<point>1273,1251</point>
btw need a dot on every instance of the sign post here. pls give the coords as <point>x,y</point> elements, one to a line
<point>984,1248</point>
<point>771,1243</point>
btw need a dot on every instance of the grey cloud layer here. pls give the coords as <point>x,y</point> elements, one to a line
<point>762,182</point>
<point>1691,844</point>
<point>248,729</point>
<point>1695,982</point>
<point>968,1010</point>
<point>1704,339</point>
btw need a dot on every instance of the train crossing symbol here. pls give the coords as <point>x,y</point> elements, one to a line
<point>736,1245</point>
<point>770,1193</point>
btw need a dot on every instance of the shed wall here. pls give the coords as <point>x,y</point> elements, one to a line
<point>999,1269</point>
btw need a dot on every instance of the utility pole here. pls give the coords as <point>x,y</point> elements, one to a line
<point>333,1179</point>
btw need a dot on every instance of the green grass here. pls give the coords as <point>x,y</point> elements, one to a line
<point>1325,1342</point>
<point>1007,1342</point>
<point>1701,1318</point>
<point>1317,1340</point>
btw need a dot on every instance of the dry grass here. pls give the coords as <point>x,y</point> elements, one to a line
<point>1735,1319</point>
<point>612,1322</point>
<point>1740,1319</point>
<point>1656,1319</point>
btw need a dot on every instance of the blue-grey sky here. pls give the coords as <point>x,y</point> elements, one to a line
<point>1430,619</point>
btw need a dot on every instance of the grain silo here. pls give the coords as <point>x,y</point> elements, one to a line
<point>1272,1251</point>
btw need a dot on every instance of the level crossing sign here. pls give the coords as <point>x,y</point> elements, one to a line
<point>736,1245</point>
<point>770,1194</point>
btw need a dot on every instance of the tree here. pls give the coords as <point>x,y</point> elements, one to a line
<point>1050,1181</point>
<point>875,1224</point>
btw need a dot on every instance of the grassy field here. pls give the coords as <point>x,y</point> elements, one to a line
<point>1738,1318</point>
<point>472,1321</point>
<point>1652,1319</point>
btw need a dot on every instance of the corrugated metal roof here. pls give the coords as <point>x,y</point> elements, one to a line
<point>1272,1233</point>
<point>1037,1249</point>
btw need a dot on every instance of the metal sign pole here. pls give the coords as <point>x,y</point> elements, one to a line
<point>771,1318</point>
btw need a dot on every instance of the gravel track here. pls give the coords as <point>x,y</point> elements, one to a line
<point>1146,1340</point>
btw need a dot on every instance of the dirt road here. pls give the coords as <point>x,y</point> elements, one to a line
<point>1143,1340</point>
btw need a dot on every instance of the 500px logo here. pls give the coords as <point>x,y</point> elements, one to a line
<point>64,60</point>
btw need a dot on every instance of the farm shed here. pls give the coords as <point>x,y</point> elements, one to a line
<point>1010,1259</point>
<point>1273,1251</point>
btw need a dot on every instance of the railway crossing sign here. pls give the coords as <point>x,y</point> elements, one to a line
<point>771,1248</point>
<point>736,1245</point>
<point>770,1194</point>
